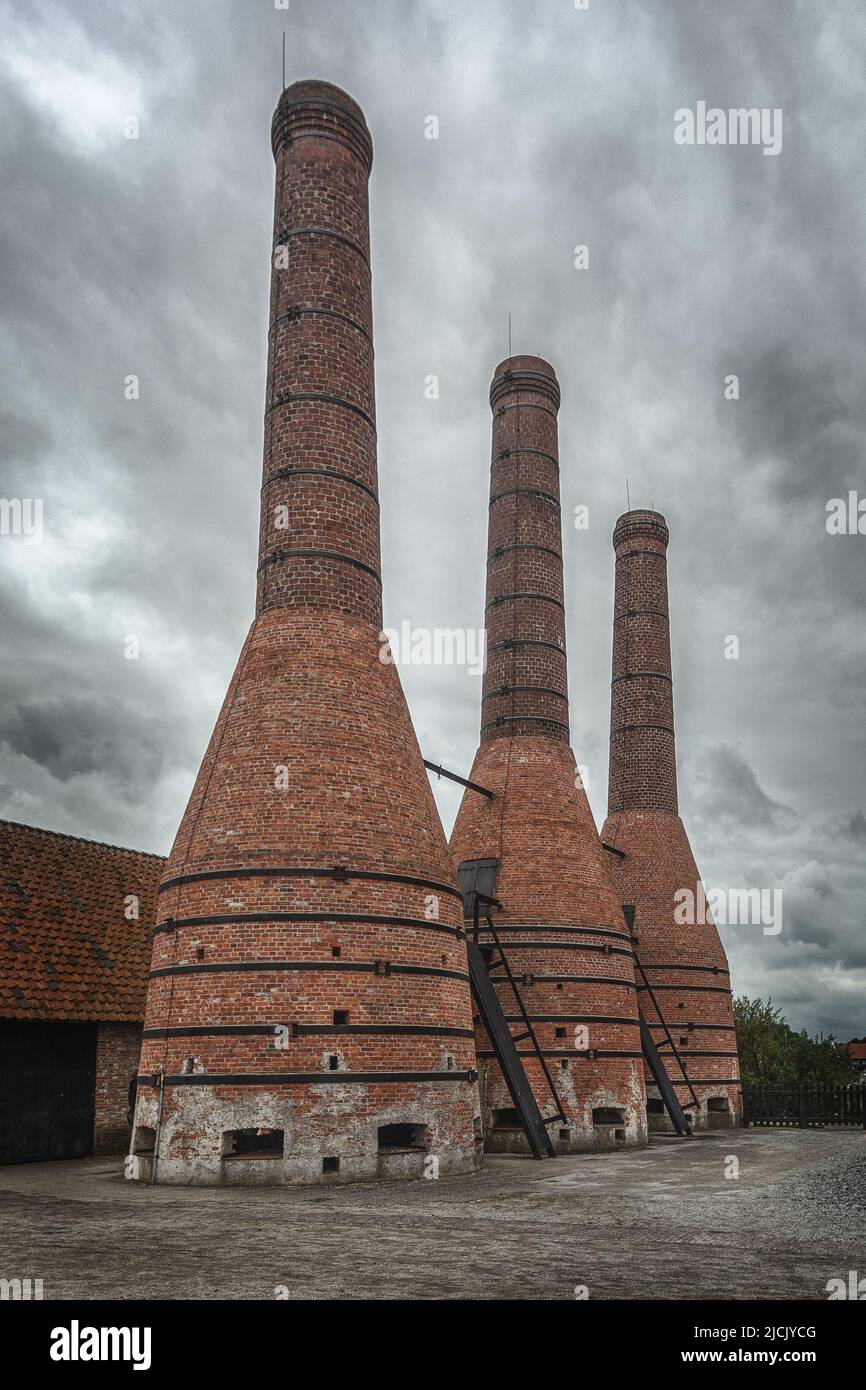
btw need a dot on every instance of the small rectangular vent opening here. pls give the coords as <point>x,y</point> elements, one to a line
<point>506,1119</point>
<point>330,1165</point>
<point>605,1115</point>
<point>341,1017</point>
<point>409,1136</point>
<point>654,1107</point>
<point>719,1104</point>
<point>145,1140</point>
<point>253,1143</point>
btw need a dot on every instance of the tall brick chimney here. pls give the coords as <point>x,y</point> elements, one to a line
<point>685,965</point>
<point>309,1013</point>
<point>560,918</point>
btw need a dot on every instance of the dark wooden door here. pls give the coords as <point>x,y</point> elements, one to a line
<point>47,1080</point>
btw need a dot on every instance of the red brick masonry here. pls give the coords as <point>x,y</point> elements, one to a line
<point>117,1049</point>
<point>686,966</point>
<point>310,888</point>
<point>561,919</point>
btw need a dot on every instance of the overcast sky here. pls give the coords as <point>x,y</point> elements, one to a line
<point>556,129</point>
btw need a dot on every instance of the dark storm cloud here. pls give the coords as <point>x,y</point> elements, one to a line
<point>724,785</point>
<point>150,257</point>
<point>75,736</point>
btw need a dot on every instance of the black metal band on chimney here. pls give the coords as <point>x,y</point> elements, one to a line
<point>526,492</point>
<point>556,728</point>
<point>326,397</point>
<point>340,873</point>
<point>284,237</point>
<point>587,1054</point>
<point>289,553</point>
<point>319,473</point>
<point>217,919</point>
<point>510,643</point>
<point>524,690</point>
<point>305,1078</point>
<point>299,311</point>
<point>524,545</point>
<point>243,967</point>
<point>304,1030</point>
<point>526,405</point>
<point>535,598</point>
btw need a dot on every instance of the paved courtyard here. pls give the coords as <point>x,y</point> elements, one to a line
<point>662,1223</point>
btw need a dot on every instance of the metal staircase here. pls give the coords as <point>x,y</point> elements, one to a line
<point>487,964</point>
<point>652,1053</point>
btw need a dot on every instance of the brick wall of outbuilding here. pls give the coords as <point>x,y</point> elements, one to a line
<point>117,1049</point>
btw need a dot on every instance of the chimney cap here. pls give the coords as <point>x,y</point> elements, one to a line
<point>312,91</point>
<point>640,522</point>
<point>312,95</point>
<point>524,373</point>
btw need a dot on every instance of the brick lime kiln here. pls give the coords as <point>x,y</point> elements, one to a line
<point>308,1014</point>
<point>534,844</point>
<point>683,979</point>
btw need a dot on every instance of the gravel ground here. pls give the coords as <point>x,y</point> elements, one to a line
<point>664,1222</point>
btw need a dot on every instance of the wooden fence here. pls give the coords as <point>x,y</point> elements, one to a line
<point>807,1107</point>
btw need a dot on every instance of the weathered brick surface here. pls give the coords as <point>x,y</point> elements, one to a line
<point>560,917</point>
<point>117,1049</point>
<point>310,889</point>
<point>685,965</point>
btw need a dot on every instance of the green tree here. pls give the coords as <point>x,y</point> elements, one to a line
<point>773,1054</point>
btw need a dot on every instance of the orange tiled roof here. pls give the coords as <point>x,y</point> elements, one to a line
<point>66,949</point>
<point>857,1050</point>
